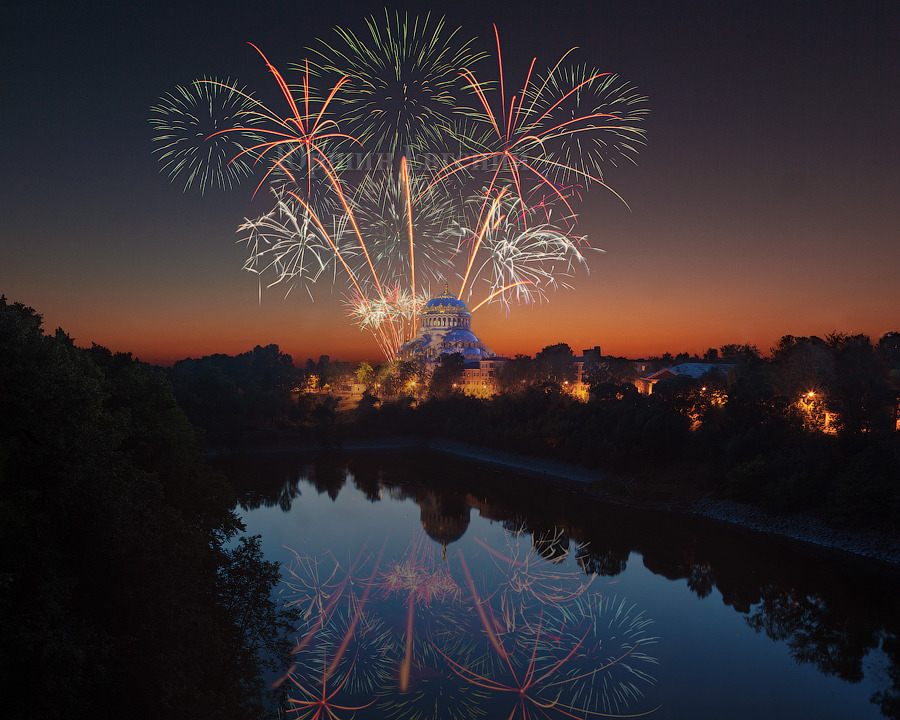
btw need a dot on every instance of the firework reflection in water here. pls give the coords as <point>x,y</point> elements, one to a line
<point>418,636</point>
<point>528,583</point>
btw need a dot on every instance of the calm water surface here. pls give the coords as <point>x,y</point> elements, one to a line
<point>433,587</point>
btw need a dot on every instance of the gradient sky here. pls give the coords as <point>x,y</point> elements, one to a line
<point>766,201</point>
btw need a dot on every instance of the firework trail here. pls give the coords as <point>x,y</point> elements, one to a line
<point>531,137</point>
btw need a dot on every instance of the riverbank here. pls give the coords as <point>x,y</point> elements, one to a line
<point>803,527</point>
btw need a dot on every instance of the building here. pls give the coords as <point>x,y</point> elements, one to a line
<point>695,370</point>
<point>445,326</point>
<point>480,377</point>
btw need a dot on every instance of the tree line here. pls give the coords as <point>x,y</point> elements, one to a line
<point>126,586</point>
<point>811,426</point>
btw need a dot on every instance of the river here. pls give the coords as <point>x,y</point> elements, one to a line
<point>434,587</point>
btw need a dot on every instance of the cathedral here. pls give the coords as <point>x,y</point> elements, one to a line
<point>445,326</point>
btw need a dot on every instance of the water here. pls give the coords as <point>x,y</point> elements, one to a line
<point>438,588</point>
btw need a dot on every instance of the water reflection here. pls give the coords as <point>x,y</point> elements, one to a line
<point>832,613</point>
<point>420,635</point>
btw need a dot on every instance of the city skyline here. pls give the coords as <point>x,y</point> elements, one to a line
<point>763,203</point>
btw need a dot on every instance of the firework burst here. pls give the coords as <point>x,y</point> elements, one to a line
<point>384,236</point>
<point>611,666</point>
<point>530,136</point>
<point>389,208</point>
<point>530,585</point>
<point>591,119</point>
<point>318,703</point>
<point>404,80</point>
<point>201,131</point>
<point>515,255</point>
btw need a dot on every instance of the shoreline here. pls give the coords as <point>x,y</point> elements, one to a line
<point>801,527</point>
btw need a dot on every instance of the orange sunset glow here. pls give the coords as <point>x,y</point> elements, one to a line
<point>751,213</point>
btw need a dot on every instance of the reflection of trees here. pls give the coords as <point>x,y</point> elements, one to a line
<point>889,700</point>
<point>814,630</point>
<point>262,482</point>
<point>700,578</point>
<point>328,478</point>
<point>282,495</point>
<point>609,562</point>
<point>366,478</point>
<point>829,619</point>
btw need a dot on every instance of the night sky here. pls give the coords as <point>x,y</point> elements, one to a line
<point>766,201</point>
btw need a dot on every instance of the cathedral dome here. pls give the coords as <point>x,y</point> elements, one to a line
<point>445,303</point>
<point>445,326</point>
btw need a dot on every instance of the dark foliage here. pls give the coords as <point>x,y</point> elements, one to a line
<point>447,376</point>
<point>229,395</point>
<point>119,595</point>
<point>745,436</point>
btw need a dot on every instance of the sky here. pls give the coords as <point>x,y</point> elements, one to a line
<point>764,203</point>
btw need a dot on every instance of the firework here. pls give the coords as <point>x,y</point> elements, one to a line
<point>531,137</point>
<point>384,236</point>
<point>201,131</point>
<point>319,703</point>
<point>420,581</point>
<point>530,680</point>
<point>362,650</point>
<point>528,586</point>
<point>419,637</point>
<point>314,586</point>
<point>514,256</point>
<point>435,693</point>
<point>404,81</point>
<point>389,208</point>
<point>610,668</point>
<point>590,118</point>
<point>287,244</point>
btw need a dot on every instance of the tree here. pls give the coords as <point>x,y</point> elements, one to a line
<point>861,393</point>
<point>743,352</point>
<point>516,374</point>
<point>405,377</point>
<point>889,349</point>
<point>365,375</point>
<point>257,637</point>
<point>226,395</point>
<point>113,541</point>
<point>609,370</point>
<point>800,365</point>
<point>557,363</point>
<point>447,376</point>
